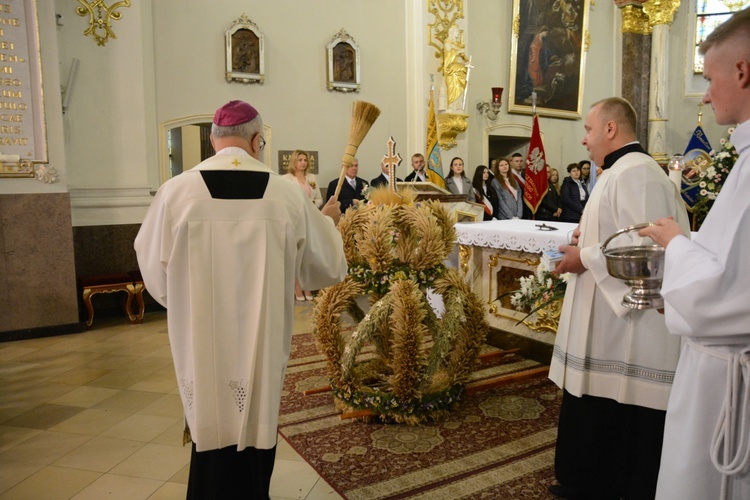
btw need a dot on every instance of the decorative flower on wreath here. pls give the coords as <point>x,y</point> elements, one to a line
<point>712,179</point>
<point>420,364</point>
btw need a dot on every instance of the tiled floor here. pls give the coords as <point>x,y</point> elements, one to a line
<point>97,415</point>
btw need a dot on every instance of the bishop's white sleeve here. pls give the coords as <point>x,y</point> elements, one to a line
<point>320,252</point>
<point>153,246</point>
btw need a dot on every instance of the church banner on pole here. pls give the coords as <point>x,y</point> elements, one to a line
<point>536,170</point>
<point>697,159</point>
<point>434,162</point>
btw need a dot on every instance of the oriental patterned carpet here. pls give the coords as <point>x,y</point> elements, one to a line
<point>499,443</point>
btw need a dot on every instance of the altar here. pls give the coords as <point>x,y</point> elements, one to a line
<point>492,256</point>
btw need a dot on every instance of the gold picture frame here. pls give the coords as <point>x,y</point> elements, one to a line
<point>342,55</point>
<point>463,216</point>
<point>549,42</point>
<point>245,59</point>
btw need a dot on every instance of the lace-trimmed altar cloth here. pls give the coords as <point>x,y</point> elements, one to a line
<point>515,234</point>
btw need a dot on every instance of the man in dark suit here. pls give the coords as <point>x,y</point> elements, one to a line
<point>382,179</point>
<point>351,190</point>
<point>419,174</point>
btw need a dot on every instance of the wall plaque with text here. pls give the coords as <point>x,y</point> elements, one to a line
<point>312,159</point>
<point>23,137</point>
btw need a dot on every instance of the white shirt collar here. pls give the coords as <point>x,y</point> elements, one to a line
<point>232,150</point>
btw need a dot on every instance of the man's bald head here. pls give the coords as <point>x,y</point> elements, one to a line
<point>621,112</point>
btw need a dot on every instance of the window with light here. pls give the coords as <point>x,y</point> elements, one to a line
<point>709,14</point>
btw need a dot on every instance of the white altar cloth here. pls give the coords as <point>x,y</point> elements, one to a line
<point>515,234</point>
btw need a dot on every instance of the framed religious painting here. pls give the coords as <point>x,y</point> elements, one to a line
<point>342,54</point>
<point>244,49</point>
<point>549,42</point>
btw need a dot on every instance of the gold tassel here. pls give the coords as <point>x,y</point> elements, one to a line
<point>186,437</point>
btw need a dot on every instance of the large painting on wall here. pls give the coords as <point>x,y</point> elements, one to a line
<point>548,56</point>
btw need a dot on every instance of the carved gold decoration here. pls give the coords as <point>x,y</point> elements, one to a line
<point>527,261</point>
<point>516,26</point>
<point>546,318</point>
<point>586,40</point>
<point>100,18</point>
<point>446,13</point>
<point>14,166</point>
<point>660,11</point>
<point>464,256</point>
<point>634,20</point>
<point>455,67</point>
<point>449,126</point>
<point>734,5</point>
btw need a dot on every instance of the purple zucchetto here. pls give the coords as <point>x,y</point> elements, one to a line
<point>234,113</point>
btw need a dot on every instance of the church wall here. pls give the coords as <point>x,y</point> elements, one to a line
<point>37,275</point>
<point>683,100</point>
<point>489,42</point>
<point>293,101</point>
<point>109,124</point>
<point>489,36</point>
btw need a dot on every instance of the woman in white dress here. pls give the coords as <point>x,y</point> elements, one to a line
<point>298,174</point>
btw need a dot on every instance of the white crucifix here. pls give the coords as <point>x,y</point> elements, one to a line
<point>392,160</point>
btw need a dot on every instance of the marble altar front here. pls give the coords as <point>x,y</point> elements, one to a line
<point>494,254</point>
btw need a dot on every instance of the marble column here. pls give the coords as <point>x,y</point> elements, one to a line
<point>660,14</point>
<point>636,61</point>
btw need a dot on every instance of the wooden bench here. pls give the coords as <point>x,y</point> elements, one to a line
<point>138,289</point>
<point>131,283</point>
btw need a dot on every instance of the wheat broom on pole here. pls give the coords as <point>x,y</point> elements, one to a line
<point>364,115</point>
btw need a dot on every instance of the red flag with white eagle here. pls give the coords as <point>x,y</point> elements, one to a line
<point>536,170</point>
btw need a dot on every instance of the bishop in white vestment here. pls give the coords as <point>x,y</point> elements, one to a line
<point>220,248</point>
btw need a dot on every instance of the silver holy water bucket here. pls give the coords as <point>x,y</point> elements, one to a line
<point>640,267</point>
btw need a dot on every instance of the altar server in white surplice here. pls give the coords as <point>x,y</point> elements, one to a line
<point>615,364</point>
<point>220,248</point>
<point>706,291</point>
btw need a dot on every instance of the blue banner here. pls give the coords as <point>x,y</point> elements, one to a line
<point>697,160</point>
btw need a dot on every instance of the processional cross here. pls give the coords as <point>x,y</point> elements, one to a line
<point>392,160</point>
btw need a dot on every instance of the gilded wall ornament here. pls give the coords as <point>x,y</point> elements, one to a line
<point>661,11</point>
<point>100,18</point>
<point>447,13</point>
<point>634,20</point>
<point>449,126</point>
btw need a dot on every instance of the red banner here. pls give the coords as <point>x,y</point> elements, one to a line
<point>536,170</point>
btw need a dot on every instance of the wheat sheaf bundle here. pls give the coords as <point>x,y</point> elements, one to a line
<point>364,115</point>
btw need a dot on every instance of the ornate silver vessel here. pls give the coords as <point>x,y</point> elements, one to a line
<point>641,267</point>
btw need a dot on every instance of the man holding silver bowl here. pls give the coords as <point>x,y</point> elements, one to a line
<point>614,363</point>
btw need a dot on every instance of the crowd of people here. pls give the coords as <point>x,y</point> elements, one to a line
<point>499,188</point>
<point>656,403</point>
